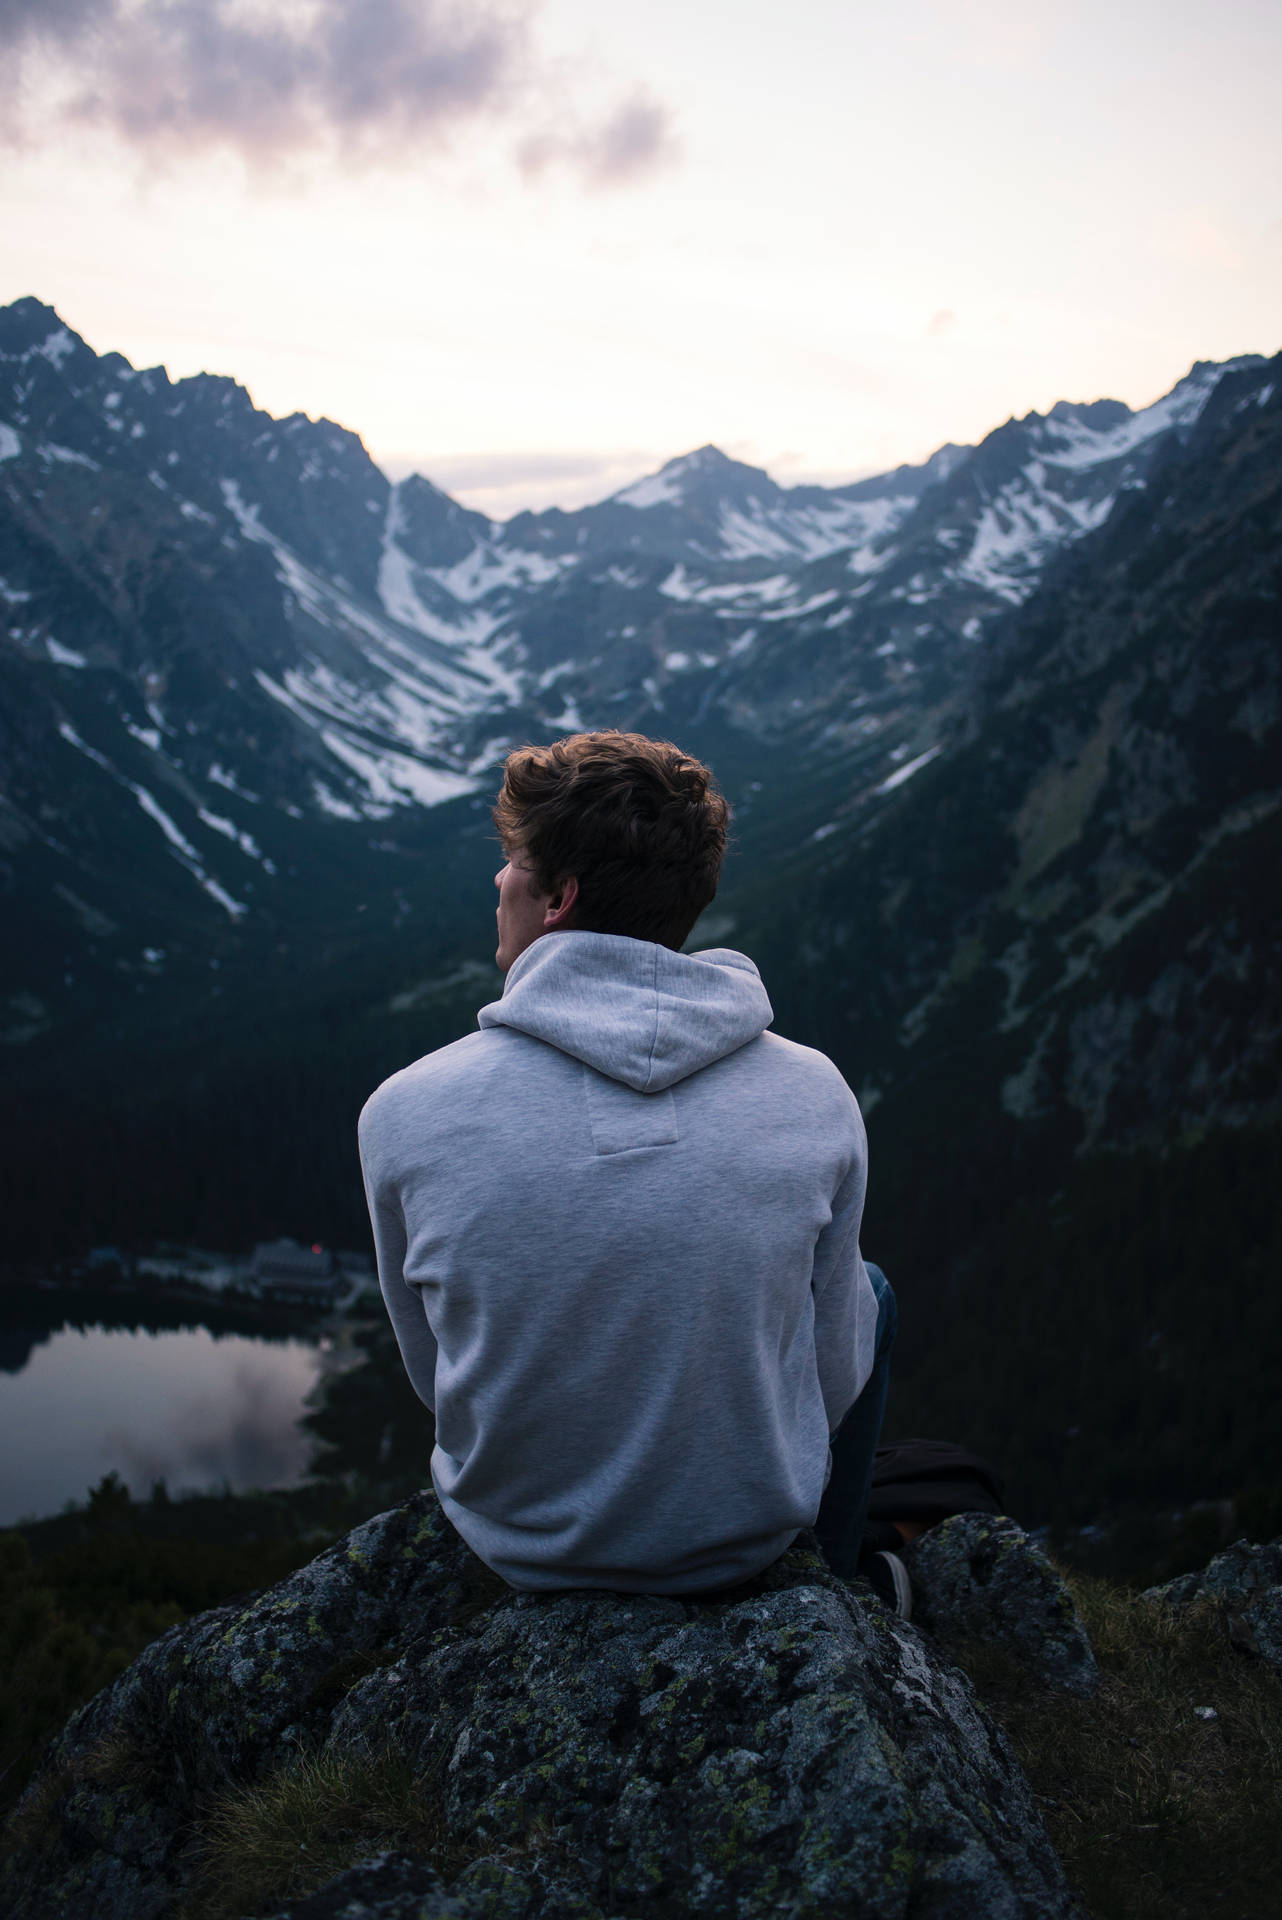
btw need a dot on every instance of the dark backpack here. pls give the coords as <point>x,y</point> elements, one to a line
<point>927,1480</point>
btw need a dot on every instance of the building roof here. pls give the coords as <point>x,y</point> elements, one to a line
<point>286,1260</point>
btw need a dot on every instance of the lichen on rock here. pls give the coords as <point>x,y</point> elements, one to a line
<point>1246,1581</point>
<point>977,1577</point>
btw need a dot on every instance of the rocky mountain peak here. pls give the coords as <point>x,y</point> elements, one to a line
<point>1099,415</point>
<point>701,460</point>
<point>433,529</point>
<point>28,326</point>
<point>698,481</point>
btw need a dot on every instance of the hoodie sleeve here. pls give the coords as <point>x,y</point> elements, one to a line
<point>404,1304</point>
<point>845,1305</point>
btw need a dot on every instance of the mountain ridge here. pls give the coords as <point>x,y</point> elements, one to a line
<point>232,640</point>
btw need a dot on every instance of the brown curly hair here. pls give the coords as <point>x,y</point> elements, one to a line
<point>639,824</point>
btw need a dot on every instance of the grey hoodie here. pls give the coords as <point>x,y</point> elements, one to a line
<point>618,1238</point>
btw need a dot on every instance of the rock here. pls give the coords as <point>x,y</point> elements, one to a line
<point>389,1887</point>
<point>395,1887</point>
<point>981,1578</point>
<point>791,1748</point>
<point>1246,1581</point>
<point>219,1700</point>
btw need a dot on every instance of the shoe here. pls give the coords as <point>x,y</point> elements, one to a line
<point>887,1575</point>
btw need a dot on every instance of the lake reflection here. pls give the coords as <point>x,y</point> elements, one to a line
<point>186,1406</point>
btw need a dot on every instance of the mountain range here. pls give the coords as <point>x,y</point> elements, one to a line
<point>1001,732</point>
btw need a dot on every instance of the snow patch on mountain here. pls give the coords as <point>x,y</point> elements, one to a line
<point>393,779</point>
<point>152,807</point>
<point>467,631</point>
<point>343,715</point>
<point>756,519</point>
<point>487,568</point>
<point>219,776</point>
<point>56,346</point>
<point>1008,536</point>
<point>330,803</point>
<point>901,774</point>
<point>656,490</point>
<point>798,609</point>
<point>188,856</point>
<point>69,734</point>
<point>219,823</point>
<point>395,572</point>
<point>811,532</point>
<point>1050,502</point>
<point>668,486</point>
<point>63,656</point>
<point>680,586</point>
<point>484,571</point>
<point>1074,443</point>
<point>419,694</point>
<point>50,451</point>
<point>185,853</point>
<point>247,518</point>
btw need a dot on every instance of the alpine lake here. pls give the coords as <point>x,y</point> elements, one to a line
<point>164,1385</point>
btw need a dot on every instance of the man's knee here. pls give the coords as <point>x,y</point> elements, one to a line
<point>887,1307</point>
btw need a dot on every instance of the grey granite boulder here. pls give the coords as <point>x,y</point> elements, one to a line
<point>976,1577</point>
<point>791,1748</point>
<point>795,1751</point>
<point>1246,1581</point>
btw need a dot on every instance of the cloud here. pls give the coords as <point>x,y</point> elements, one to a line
<point>514,469</point>
<point>204,72</point>
<point>942,322</point>
<point>24,20</point>
<point>377,78</point>
<point>636,137</point>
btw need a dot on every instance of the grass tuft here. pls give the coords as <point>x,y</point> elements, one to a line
<point>284,1837</point>
<point>1157,1812</point>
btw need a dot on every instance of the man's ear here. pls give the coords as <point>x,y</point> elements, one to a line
<point>559,912</point>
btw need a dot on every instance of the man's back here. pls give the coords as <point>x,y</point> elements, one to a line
<point>618,1237</point>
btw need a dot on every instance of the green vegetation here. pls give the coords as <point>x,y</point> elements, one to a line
<point>286,1836</point>
<point>83,1594</point>
<point>1158,1810</point>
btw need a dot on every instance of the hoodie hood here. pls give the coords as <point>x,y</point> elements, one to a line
<point>634,1011</point>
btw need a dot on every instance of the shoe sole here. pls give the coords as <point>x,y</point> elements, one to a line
<point>903,1586</point>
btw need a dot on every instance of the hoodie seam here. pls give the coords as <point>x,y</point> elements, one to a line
<point>654,1041</point>
<point>582,995</point>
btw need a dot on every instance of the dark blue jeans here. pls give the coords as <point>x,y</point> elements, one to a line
<point>844,1507</point>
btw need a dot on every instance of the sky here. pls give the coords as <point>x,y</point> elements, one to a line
<point>534,250</point>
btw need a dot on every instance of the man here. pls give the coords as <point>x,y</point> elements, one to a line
<point>618,1227</point>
